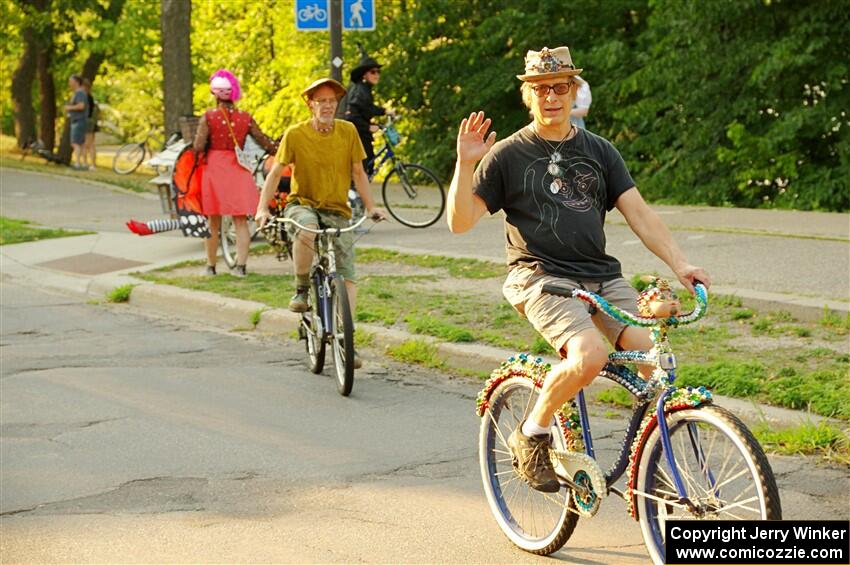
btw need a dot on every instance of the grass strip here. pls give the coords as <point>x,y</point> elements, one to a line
<point>13,230</point>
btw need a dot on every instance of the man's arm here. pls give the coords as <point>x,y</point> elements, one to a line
<point>272,180</point>
<point>464,208</point>
<point>657,238</point>
<point>361,184</point>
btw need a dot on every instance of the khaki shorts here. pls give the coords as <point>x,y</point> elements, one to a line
<point>557,318</point>
<point>344,246</point>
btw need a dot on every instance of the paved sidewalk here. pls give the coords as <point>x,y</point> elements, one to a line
<point>94,264</point>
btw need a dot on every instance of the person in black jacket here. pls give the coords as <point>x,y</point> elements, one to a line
<point>361,107</point>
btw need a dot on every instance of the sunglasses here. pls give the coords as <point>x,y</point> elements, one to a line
<point>375,71</point>
<point>541,90</point>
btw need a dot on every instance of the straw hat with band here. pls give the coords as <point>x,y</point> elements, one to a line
<point>548,63</point>
<point>338,89</point>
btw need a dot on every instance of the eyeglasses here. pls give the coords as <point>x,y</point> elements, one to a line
<point>324,101</point>
<point>541,90</point>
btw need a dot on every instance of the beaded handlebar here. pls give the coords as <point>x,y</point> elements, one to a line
<point>643,321</point>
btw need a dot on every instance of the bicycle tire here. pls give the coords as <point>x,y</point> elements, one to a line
<point>314,331</point>
<point>227,238</point>
<point>413,195</point>
<point>653,479</point>
<point>499,476</point>
<point>128,158</point>
<point>343,338</point>
<point>227,241</point>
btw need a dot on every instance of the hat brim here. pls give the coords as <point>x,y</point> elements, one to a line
<point>339,90</point>
<point>357,73</point>
<point>544,76</point>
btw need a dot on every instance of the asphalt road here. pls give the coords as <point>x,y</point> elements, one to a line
<point>134,439</point>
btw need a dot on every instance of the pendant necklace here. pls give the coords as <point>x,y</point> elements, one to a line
<point>322,129</point>
<point>554,158</point>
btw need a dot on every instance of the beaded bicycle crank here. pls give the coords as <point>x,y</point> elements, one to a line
<point>582,470</point>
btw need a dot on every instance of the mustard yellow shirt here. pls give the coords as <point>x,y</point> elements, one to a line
<point>321,164</point>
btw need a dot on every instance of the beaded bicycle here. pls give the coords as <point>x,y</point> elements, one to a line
<point>697,462</point>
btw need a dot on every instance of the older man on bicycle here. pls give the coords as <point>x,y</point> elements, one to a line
<point>555,183</point>
<point>326,155</point>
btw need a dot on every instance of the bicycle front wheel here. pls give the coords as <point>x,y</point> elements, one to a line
<point>724,470</point>
<point>414,195</point>
<point>535,521</point>
<point>343,338</point>
<point>128,158</point>
<point>314,332</point>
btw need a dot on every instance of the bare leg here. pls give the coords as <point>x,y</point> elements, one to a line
<point>243,239</point>
<point>351,289</point>
<point>90,149</point>
<point>211,243</point>
<point>586,355</point>
<point>636,339</point>
<point>303,250</point>
<point>78,153</point>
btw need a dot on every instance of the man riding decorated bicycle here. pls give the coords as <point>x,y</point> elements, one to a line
<point>555,183</point>
<point>326,155</point>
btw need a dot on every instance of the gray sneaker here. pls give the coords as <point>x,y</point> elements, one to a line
<point>530,457</point>
<point>209,271</point>
<point>239,271</point>
<point>299,301</point>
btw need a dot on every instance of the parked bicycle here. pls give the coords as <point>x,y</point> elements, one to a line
<point>696,462</point>
<point>328,318</point>
<point>412,193</point>
<point>130,156</point>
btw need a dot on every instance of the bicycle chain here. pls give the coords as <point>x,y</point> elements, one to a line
<point>575,463</point>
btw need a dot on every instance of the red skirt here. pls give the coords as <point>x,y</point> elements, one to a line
<point>227,188</point>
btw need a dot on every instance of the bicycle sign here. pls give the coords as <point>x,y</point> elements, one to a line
<point>311,15</point>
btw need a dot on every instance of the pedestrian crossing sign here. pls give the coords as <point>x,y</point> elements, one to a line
<point>358,15</point>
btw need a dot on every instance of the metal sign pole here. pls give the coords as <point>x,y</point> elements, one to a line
<point>336,39</point>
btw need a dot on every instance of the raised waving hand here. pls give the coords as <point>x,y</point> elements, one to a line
<point>473,141</point>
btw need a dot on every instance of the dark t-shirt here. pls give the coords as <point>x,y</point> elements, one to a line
<point>79,96</point>
<point>555,211</point>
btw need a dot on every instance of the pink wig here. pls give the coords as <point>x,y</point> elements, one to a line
<point>236,92</point>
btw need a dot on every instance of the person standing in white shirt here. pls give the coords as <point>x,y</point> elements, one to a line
<point>581,106</point>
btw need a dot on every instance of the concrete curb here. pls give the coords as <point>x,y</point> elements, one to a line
<point>237,314</point>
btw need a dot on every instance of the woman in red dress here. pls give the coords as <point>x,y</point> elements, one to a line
<point>227,189</point>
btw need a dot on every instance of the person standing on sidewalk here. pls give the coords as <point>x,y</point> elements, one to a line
<point>77,110</point>
<point>227,188</point>
<point>581,105</point>
<point>326,156</point>
<point>89,150</point>
<point>555,183</point>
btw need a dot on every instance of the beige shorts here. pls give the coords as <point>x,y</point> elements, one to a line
<point>557,318</point>
<point>344,248</point>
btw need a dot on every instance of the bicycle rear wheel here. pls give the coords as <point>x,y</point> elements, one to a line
<point>227,240</point>
<point>128,158</point>
<point>314,331</point>
<point>724,469</point>
<point>343,338</point>
<point>413,195</point>
<point>535,521</point>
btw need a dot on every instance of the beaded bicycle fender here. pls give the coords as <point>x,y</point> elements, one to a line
<point>524,366</point>
<point>680,399</point>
